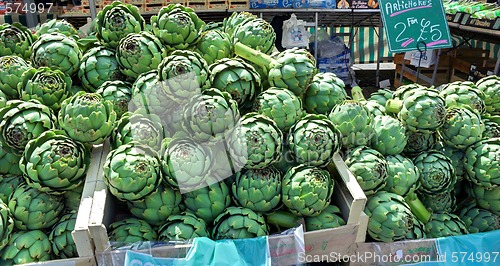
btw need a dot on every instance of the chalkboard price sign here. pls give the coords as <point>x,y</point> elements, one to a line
<point>411,23</point>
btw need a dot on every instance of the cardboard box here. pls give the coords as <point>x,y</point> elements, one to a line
<point>348,196</point>
<point>314,4</point>
<point>263,4</point>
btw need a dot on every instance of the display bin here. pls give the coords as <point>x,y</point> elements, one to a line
<point>465,58</point>
<point>348,196</point>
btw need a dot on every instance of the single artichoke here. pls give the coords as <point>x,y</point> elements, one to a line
<point>11,71</point>
<point>9,162</point>
<point>73,197</point>
<point>491,129</point>
<point>131,230</point>
<point>354,121</point>
<point>214,45</point>
<point>478,220</point>
<point>442,202</point>
<point>57,51</point>
<point>490,86</point>
<point>324,92</point>
<point>6,225</point>
<point>237,223</point>
<point>27,247</point>
<point>184,226</point>
<point>63,244</point>
<point>146,129</point>
<point>257,34</point>
<point>281,105</point>
<point>389,136</point>
<point>16,39</point>
<point>369,167</point>
<point>402,175</point>
<point>418,142</point>
<point>445,224</point>
<point>462,128</point>
<point>97,66</point>
<point>209,201</point>
<point>482,162</point>
<point>381,96</point>
<point>463,94</point>
<point>9,184</point>
<point>331,217</point>
<point>117,92</point>
<point>58,25</point>
<point>437,174</point>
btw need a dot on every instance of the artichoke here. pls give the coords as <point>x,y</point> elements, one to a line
<point>132,171</point>
<point>131,230</point>
<point>73,197</point>
<point>87,117</point>
<point>149,98</point>
<point>9,184</point>
<point>488,199</point>
<point>6,225</point>
<point>9,162</point>
<point>307,190</point>
<point>27,247</point>
<point>324,92</point>
<point>418,231</point>
<point>402,175</point>
<point>478,220</point>
<point>117,20</point>
<point>214,45</point>
<point>482,162</point>
<point>146,129</point>
<point>369,167</point>
<point>437,174</point>
<point>58,25</point>
<point>314,140</point>
<point>258,189</point>
<point>389,136</point>
<point>237,223</point>
<point>49,87</point>
<point>176,26</point>
<point>208,202</point>
<point>390,217</point>
<point>138,53</point>
<point>230,23</point>
<point>402,92</point>
<point>11,70</point>
<point>456,156</point>
<point>57,51</point>
<point>211,116</point>
<point>418,142</point>
<point>236,77</point>
<point>375,108</point>
<point>442,202</point>
<point>255,33</point>
<point>33,209</point>
<point>224,166</point>
<point>354,121</point>
<point>99,65</point>
<point>16,39</point>
<point>463,94</point>
<point>23,121</point>
<point>445,224</point>
<point>63,245</point>
<point>328,218</point>
<point>117,92</point>
<point>490,86</point>
<point>381,96</point>
<point>184,226</point>
<point>54,163</point>
<point>462,128</point>
<point>281,105</point>
<point>256,142</point>
<point>491,129</point>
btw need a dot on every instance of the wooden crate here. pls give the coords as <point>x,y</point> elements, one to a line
<point>151,8</point>
<point>155,2</point>
<point>217,5</point>
<point>464,58</point>
<point>197,4</point>
<point>239,5</point>
<point>348,196</point>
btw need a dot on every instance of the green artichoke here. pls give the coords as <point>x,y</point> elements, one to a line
<point>186,164</point>
<point>132,171</point>
<point>281,105</point>
<point>6,225</point>
<point>442,202</point>
<point>324,92</point>
<point>27,247</point>
<point>331,217</point>
<point>389,136</point>
<point>256,141</point>
<point>488,199</point>
<point>381,96</point>
<point>258,189</point>
<point>3,99</point>
<point>177,26</point>
<point>491,129</point>
<point>9,184</point>
<point>490,86</point>
<point>257,34</point>
<point>138,53</point>
<point>237,223</point>
<point>11,70</point>
<point>375,108</point>
<point>63,245</point>
<point>236,77</point>
<point>146,129</point>
<point>402,92</point>
<point>184,226</point>
<point>402,175</point>
<point>478,220</point>
<point>214,45</point>
<point>282,219</point>
<point>463,93</point>
<point>149,98</point>
<point>482,162</point>
<point>9,162</point>
<point>49,87</point>
<point>369,167</point>
<point>437,174</point>
<point>456,156</point>
<point>418,231</point>
<point>390,217</point>
<point>33,209</point>
<point>23,121</point>
<point>99,65</point>
<point>211,116</point>
<point>57,51</point>
<point>445,224</point>
<point>16,39</point>
<point>418,142</point>
<point>58,25</point>
<point>117,92</point>
<point>314,140</point>
<point>87,117</point>
<point>117,20</point>
<point>73,197</point>
<point>230,23</point>
<point>158,206</point>
<point>307,190</point>
<point>224,166</point>
<point>54,163</point>
<point>462,128</point>
<point>354,121</point>
<point>209,201</point>
<point>131,230</point>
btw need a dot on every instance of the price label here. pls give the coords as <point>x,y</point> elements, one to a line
<point>410,23</point>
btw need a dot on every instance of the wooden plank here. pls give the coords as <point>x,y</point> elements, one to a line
<point>217,5</point>
<point>239,5</point>
<point>363,227</point>
<point>80,261</point>
<point>197,4</point>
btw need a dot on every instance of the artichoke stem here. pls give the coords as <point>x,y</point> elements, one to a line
<point>357,94</point>
<point>283,219</point>
<point>393,106</point>
<point>418,208</point>
<point>254,56</point>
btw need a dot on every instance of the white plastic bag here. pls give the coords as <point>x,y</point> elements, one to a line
<point>295,33</point>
